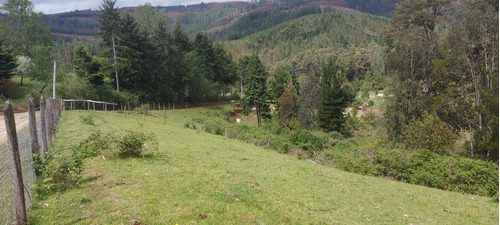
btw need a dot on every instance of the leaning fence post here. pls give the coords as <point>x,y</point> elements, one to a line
<point>33,133</point>
<point>15,165</point>
<point>43,118</point>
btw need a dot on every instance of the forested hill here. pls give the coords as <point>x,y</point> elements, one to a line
<point>309,40</point>
<point>219,18</point>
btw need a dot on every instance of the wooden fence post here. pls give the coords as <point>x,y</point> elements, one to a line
<point>49,115</point>
<point>33,134</point>
<point>15,165</point>
<point>164,116</point>
<point>43,118</point>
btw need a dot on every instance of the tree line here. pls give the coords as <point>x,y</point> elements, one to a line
<point>443,65</point>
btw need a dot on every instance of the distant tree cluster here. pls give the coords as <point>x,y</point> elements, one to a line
<point>159,66</point>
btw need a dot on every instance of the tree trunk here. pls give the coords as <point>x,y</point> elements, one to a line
<point>115,62</point>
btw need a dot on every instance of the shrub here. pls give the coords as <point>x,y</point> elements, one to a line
<point>59,171</point>
<point>135,144</point>
<point>89,119</point>
<point>430,133</point>
<point>94,144</point>
<point>8,89</point>
<point>424,167</point>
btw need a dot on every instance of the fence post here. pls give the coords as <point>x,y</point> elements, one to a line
<point>43,118</point>
<point>15,165</point>
<point>143,114</point>
<point>32,118</point>
<point>164,116</point>
<point>125,111</point>
<point>184,124</point>
<point>49,115</point>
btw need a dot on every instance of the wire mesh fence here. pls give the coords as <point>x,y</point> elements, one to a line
<point>7,213</point>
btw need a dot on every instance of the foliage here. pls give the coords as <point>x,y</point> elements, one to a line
<point>335,97</point>
<point>255,88</point>
<point>43,64</point>
<point>59,171</point>
<point>86,66</point>
<point>288,105</point>
<point>263,19</point>
<point>444,172</point>
<point>446,72</point>
<point>7,62</point>
<point>8,89</point>
<point>308,101</point>
<point>136,144</point>
<point>309,40</point>
<point>94,144</point>
<point>430,133</point>
<point>24,28</point>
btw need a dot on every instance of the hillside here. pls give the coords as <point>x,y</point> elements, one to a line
<point>211,17</point>
<point>311,39</point>
<point>197,177</point>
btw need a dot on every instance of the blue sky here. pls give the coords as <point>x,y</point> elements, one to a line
<point>56,6</point>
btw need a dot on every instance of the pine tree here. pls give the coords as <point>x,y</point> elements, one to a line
<point>7,63</point>
<point>108,24</point>
<point>335,97</point>
<point>256,88</point>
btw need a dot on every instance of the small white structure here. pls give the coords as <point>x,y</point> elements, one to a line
<point>238,120</point>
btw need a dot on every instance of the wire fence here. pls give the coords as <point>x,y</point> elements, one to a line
<point>7,213</point>
<point>17,160</point>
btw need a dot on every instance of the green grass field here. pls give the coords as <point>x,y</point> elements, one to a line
<point>231,182</point>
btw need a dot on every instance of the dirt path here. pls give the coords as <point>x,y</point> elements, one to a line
<point>22,120</point>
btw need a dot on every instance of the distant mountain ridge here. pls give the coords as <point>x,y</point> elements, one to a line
<point>213,17</point>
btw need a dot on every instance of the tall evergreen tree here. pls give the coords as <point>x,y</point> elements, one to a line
<point>335,97</point>
<point>256,89</point>
<point>108,22</point>
<point>7,62</point>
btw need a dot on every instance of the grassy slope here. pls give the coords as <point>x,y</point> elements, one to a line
<point>234,182</point>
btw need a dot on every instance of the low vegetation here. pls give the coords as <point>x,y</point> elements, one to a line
<point>198,177</point>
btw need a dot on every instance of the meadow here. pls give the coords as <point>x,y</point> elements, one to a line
<point>198,177</point>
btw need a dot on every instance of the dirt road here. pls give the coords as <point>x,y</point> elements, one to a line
<point>22,120</point>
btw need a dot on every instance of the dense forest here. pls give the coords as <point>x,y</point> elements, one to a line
<point>422,84</point>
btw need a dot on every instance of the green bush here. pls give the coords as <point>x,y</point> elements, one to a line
<point>430,133</point>
<point>59,171</point>
<point>135,144</point>
<point>94,144</point>
<point>89,119</point>
<point>424,167</point>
